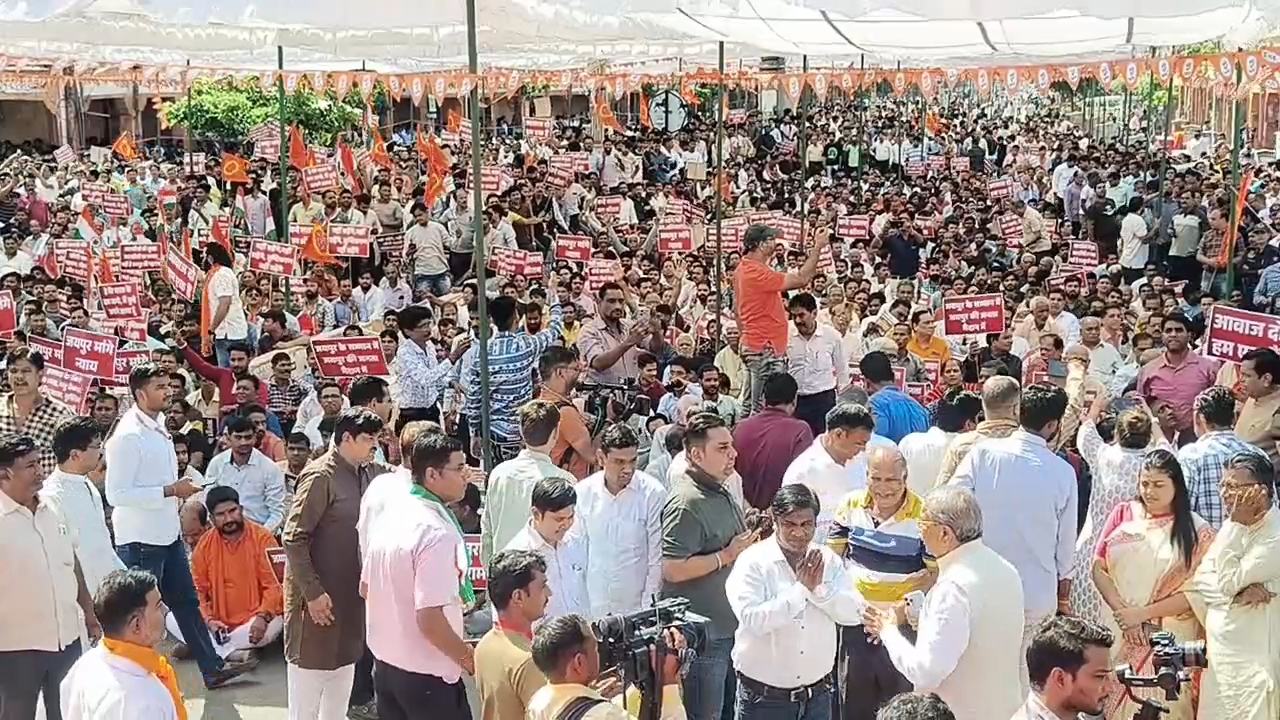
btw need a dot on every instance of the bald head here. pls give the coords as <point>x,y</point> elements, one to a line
<point>887,458</point>
<point>1000,398</point>
<point>1076,352</point>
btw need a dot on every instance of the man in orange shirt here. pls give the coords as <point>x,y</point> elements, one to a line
<point>240,596</point>
<point>761,312</point>
<point>560,369</point>
<point>925,344</point>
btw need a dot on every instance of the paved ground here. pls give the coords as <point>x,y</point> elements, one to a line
<point>260,695</point>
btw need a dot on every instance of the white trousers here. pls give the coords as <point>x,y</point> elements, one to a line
<point>1031,621</point>
<point>319,694</point>
<point>237,639</point>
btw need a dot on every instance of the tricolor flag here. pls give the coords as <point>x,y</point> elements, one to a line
<point>88,227</point>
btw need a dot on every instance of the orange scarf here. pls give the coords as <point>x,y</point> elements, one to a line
<point>154,663</point>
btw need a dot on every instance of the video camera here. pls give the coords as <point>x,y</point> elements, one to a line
<point>625,400</point>
<point>1173,662</point>
<point>628,643</point>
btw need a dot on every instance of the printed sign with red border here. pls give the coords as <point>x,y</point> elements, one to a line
<point>675,238</point>
<point>126,361</point>
<point>65,386</point>
<point>139,258</point>
<point>183,275</point>
<point>121,301</point>
<point>1082,254</point>
<point>350,240</point>
<point>475,568</point>
<point>1230,333</point>
<point>1000,188</point>
<point>116,205</point>
<point>91,353</point>
<point>973,315</point>
<point>538,127</point>
<point>319,178</point>
<point>576,248</point>
<point>854,227</point>
<point>8,313</point>
<point>273,258</point>
<point>51,351</point>
<point>349,357</point>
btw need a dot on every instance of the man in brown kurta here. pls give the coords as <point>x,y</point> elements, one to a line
<point>324,613</point>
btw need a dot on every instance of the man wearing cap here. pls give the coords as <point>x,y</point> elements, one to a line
<point>761,313</point>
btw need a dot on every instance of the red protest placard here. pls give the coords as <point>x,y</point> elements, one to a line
<point>788,230</point>
<point>73,258</point>
<point>960,164</point>
<point>135,330</point>
<point>139,258</point>
<point>1011,229</point>
<point>674,238</point>
<point>51,351</point>
<point>490,180</point>
<point>391,245</point>
<point>504,261</point>
<point>609,207</point>
<point>937,163</point>
<point>475,565</point>
<point>917,391</point>
<point>601,271</point>
<point>350,240</point>
<point>272,258</point>
<point>1059,282</point>
<point>1000,188</point>
<point>1230,333</point>
<point>8,312</point>
<point>573,247</point>
<point>1082,254</point>
<point>531,264</point>
<point>538,127</point>
<point>91,353</point>
<point>121,301</point>
<point>916,167</point>
<point>93,192</point>
<point>126,361</point>
<point>559,178</point>
<point>854,227</point>
<point>116,205</point>
<point>182,274</point>
<point>900,377</point>
<point>65,386</point>
<point>973,315</point>
<point>318,178</point>
<point>348,357</point>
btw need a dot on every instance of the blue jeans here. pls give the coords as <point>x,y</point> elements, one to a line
<point>173,576</point>
<point>709,682</point>
<point>437,285</point>
<point>760,366</point>
<point>754,706</point>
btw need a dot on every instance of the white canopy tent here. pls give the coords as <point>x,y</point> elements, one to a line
<point>548,34</point>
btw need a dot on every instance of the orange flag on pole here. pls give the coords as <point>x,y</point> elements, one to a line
<point>379,154</point>
<point>645,121</point>
<point>299,154</point>
<point>235,169</point>
<point>605,114</point>
<point>453,121</point>
<point>125,147</point>
<point>317,247</point>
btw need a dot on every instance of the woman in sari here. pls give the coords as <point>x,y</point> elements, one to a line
<point>1148,550</point>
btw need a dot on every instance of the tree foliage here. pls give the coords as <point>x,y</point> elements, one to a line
<point>226,109</point>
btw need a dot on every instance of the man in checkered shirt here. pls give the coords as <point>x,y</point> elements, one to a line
<point>1203,461</point>
<point>25,410</point>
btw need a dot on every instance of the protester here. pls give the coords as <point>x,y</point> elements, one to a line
<point>77,446</point>
<point>552,533</point>
<point>956,412</point>
<point>1204,460</point>
<point>768,442</point>
<point>505,672</point>
<point>258,482</point>
<point>823,468</point>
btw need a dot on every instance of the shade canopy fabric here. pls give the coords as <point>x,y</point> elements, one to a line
<point>546,34</point>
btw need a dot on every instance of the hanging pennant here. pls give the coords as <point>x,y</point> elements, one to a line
<point>847,82</point>
<point>1105,75</point>
<point>1251,67</point>
<point>417,88</point>
<point>367,81</point>
<point>395,86</point>
<point>1073,76</point>
<point>1187,68</point>
<point>291,82</point>
<point>899,83</point>
<point>818,81</point>
<point>791,85</point>
<point>341,84</point>
<point>1011,79</point>
<point>1043,80</point>
<point>1164,70</point>
<point>316,79</point>
<point>267,80</point>
<point>1132,74</point>
<point>927,87</point>
<point>1225,68</point>
<point>953,77</point>
<point>984,83</point>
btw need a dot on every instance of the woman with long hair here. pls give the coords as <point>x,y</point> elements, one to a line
<point>1148,549</point>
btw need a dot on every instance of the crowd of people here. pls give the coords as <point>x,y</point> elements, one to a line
<point>878,518</point>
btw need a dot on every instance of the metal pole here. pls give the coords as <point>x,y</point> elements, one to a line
<point>1124,116</point>
<point>477,229</point>
<point>722,176</point>
<point>186,129</point>
<point>862,114</point>
<point>804,148</point>
<point>1164,151</point>
<point>282,228</point>
<point>1237,127</point>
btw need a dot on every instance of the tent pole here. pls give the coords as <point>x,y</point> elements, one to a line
<point>862,113</point>
<point>1167,141</point>
<point>477,229</point>
<point>804,146</point>
<point>722,177</point>
<point>1237,129</point>
<point>282,228</point>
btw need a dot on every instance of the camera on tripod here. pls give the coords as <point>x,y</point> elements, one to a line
<point>623,399</point>
<point>1173,662</point>
<point>628,643</point>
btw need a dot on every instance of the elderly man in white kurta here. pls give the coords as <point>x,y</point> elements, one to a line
<point>1234,595</point>
<point>970,628</point>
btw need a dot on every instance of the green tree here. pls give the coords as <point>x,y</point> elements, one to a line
<point>226,109</point>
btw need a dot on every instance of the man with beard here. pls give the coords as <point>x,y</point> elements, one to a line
<point>240,597</point>
<point>573,451</point>
<point>608,346</point>
<point>144,488</point>
<point>252,474</point>
<point>224,377</point>
<point>1069,660</point>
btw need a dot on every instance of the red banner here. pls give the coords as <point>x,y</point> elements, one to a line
<point>538,127</point>
<point>1083,254</point>
<point>350,240</point>
<point>121,301</point>
<point>73,258</point>
<point>116,205</point>
<point>273,258</point>
<point>93,192</point>
<point>126,361</point>
<point>319,178</point>
<point>573,247</point>
<point>183,275</point>
<point>1059,282</point>
<point>601,271</point>
<point>788,231</point>
<point>1000,188</point>
<point>8,314</point>
<point>1011,229</point>
<point>349,357</point>
<point>139,258</point>
<point>65,386</point>
<point>559,178</point>
<point>854,227</point>
<point>299,234</point>
<point>674,238</point>
<point>975,315</point>
<point>1230,333</point>
<point>93,354</point>
<point>51,351</point>
<point>609,207</point>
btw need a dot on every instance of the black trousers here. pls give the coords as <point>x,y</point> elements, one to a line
<point>813,409</point>
<point>24,674</point>
<point>404,695</point>
<point>1185,267</point>
<point>868,678</point>
<point>408,415</point>
<point>362,684</point>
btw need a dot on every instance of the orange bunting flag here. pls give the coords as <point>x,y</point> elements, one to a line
<point>125,147</point>
<point>453,122</point>
<point>299,154</point>
<point>348,161</point>
<point>186,243</point>
<point>379,154</point>
<point>434,189</point>
<point>317,247</point>
<point>605,114</point>
<point>235,169</point>
<point>645,121</point>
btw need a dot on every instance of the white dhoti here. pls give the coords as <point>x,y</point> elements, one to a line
<point>237,639</point>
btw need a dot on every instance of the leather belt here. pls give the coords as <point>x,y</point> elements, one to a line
<point>796,695</point>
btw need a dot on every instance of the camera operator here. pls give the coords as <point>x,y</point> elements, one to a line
<point>566,651</point>
<point>1069,661</point>
<point>1233,593</point>
<point>560,368</point>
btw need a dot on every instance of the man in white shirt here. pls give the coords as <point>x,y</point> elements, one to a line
<point>229,324</point>
<point>565,551</point>
<point>77,446</point>
<point>144,488</point>
<point>121,678</point>
<point>924,451</point>
<point>789,593</point>
<point>815,358</point>
<point>823,467</point>
<point>426,241</point>
<point>969,634</point>
<point>1104,358</point>
<point>258,480</point>
<point>1028,495</point>
<point>620,511</point>
<point>368,298</point>
<point>1059,316</point>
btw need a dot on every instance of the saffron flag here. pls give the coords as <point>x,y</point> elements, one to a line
<point>453,121</point>
<point>605,114</point>
<point>348,161</point>
<point>125,147</point>
<point>645,121</point>
<point>379,154</point>
<point>235,169</point>
<point>1229,242</point>
<point>317,247</point>
<point>299,155</point>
